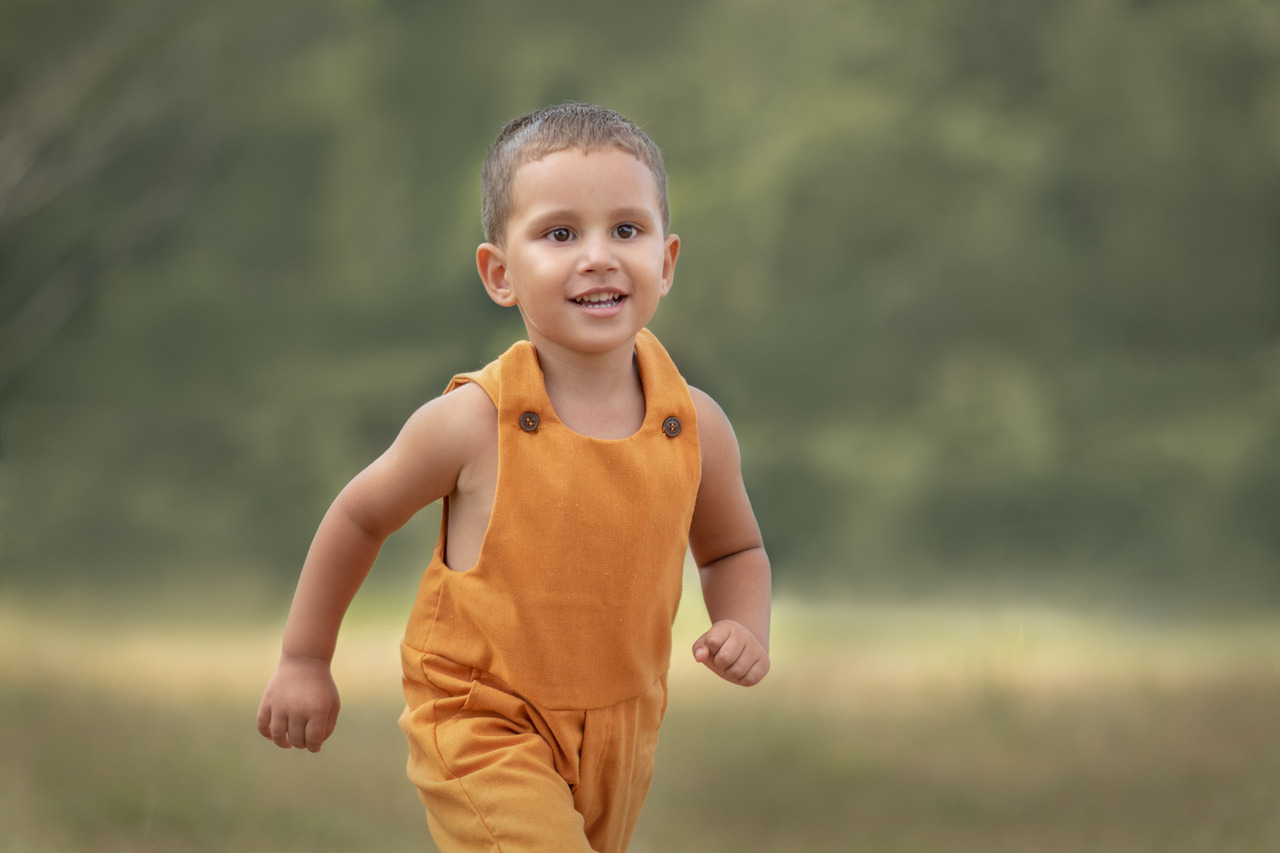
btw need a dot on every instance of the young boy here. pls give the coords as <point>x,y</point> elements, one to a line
<point>576,470</point>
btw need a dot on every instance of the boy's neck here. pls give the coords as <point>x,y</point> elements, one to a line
<point>595,394</point>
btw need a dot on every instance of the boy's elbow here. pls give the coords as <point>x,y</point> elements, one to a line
<point>747,554</point>
<point>356,520</point>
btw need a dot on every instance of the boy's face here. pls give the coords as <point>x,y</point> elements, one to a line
<point>585,257</point>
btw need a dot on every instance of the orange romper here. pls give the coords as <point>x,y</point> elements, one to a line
<point>536,681</point>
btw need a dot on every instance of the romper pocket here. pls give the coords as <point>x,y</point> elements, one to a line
<point>434,680</point>
<point>436,691</point>
<point>450,678</point>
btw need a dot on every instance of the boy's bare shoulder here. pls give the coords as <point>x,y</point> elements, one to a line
<point>468,401</point>
<point>441,441</point>
<point>715,433</point>
<point>462,417</point>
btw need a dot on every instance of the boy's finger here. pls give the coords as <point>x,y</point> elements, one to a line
<point>756,674</point>
<point>264,722</point>
<point>737,668</point>
<point>316,732</point>
<point>712,641</point>
<point>333,722</point>
<point>730,653</point>
<point>298,732</point>
<point>279,731</point>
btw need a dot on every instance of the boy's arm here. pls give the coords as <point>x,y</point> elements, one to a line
<point>300,705</point>
<point>726,544</point>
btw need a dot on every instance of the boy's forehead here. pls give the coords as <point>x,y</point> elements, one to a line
<point>543,156</point>
<point>534,168</point>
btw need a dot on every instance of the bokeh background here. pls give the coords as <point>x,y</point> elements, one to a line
<point>990,289</point>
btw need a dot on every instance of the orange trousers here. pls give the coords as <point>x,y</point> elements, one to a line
<point>497,773</point>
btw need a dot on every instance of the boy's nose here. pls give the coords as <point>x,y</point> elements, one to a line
<point>597,256</point>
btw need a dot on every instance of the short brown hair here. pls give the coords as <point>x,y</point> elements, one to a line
<point>555,128</point>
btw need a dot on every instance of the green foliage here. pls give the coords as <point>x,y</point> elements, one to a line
<point>987,287</point>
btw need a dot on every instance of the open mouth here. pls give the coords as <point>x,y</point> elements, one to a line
<point>600,300</point>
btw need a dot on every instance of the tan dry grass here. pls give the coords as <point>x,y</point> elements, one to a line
<point>837,657</point>
<point>881,728</point>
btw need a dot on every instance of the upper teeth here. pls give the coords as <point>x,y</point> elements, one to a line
<point>598,297</point>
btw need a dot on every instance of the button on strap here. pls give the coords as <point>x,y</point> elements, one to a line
<point>671,426</point>
<point>529,421</point>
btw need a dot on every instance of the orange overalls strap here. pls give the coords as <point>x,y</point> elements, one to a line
<point>572,599</point>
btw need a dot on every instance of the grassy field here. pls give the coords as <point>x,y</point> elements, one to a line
<point>882,729</point>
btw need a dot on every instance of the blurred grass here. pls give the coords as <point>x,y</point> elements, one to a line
<point>881,728</point>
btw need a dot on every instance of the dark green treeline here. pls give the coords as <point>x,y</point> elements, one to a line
<point>990,288</point>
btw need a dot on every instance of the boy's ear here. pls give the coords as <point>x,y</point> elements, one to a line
<point>671,250</point>
<point>491,262</point>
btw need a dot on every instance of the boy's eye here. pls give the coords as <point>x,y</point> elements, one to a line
<point>560,235</point>
<point>626,231</point>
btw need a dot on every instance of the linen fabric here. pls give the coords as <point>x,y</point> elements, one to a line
<point>497,773</point>
<point>535,681</point>
<point>572,598</point>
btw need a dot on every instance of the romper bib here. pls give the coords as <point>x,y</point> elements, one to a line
<point>572,598</point>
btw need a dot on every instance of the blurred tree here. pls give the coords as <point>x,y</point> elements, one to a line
<point>988,287</point>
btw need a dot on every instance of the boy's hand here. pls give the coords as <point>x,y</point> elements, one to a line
<point>300,705</point>
<point>733,653</point>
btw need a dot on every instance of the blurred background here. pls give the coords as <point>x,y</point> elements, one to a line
<point>990,290</point>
